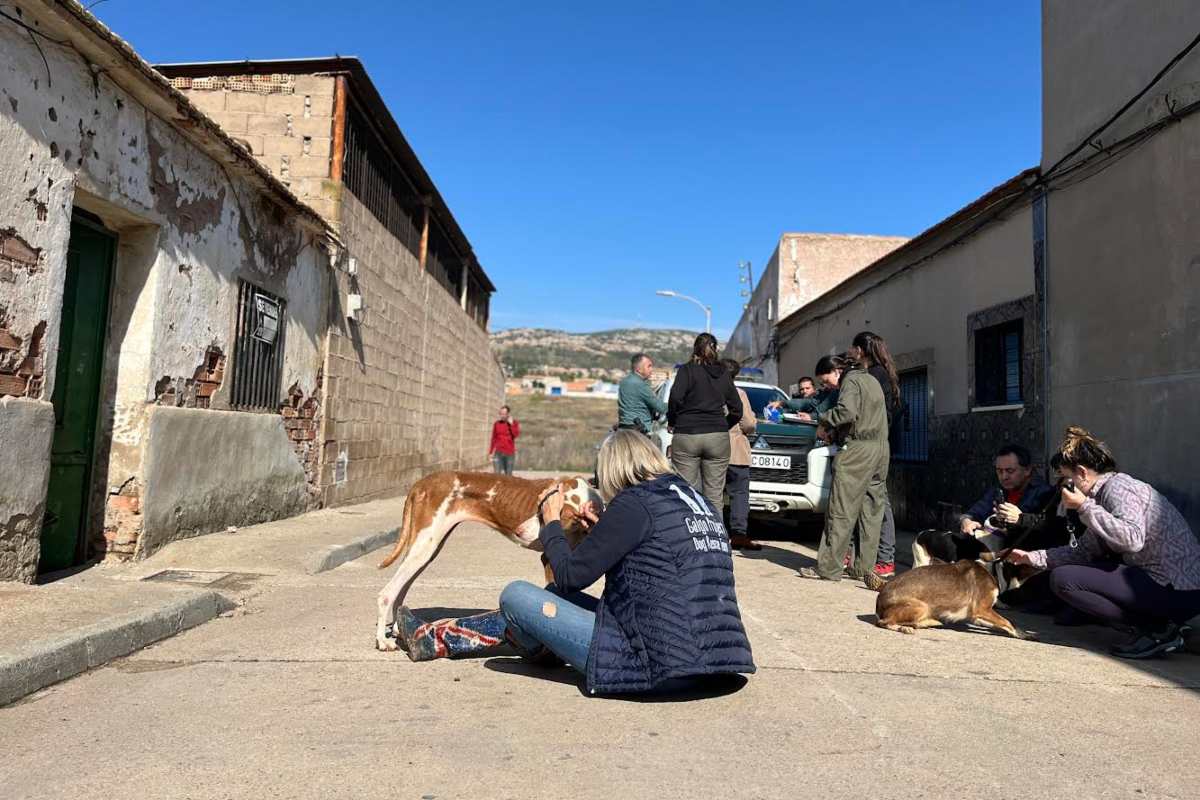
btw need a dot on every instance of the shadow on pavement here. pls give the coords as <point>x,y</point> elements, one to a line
<point>788,559</point>
<point>674,692</point>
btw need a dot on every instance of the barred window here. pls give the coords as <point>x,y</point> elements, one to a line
<point>258,350</point>
<point>914,430</point>
<point>998,352</point>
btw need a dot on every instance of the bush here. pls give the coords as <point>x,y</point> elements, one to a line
<point>560,433</point>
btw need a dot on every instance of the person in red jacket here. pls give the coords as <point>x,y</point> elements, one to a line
<point>503,449</point>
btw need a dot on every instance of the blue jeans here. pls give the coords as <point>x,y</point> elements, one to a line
<point>538,617</point>
<point>503,464</point>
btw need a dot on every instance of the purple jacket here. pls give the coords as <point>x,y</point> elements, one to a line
<point>1131,519</point>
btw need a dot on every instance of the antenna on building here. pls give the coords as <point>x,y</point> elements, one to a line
<point>746,276</point>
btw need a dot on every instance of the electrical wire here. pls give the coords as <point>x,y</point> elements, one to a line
<point>1133,100</point>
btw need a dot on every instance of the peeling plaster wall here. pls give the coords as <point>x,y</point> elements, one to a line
<point>188,228</point>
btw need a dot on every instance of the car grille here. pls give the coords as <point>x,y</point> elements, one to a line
<point>797,474</point>
<point>787,442</point>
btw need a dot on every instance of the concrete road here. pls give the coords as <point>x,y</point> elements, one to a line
<point>286,697</point>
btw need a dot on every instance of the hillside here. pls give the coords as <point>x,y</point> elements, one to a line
<point>525,350</point>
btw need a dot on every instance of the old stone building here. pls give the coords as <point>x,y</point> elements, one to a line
<point>412,379</point>
<point>196,332</point>
<point>800,269</point>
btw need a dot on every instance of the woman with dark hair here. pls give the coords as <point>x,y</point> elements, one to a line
<point>1153,586</point>
<point>828,370</point>
<point>859,424</point>
<point>703,406</point>
<point>870,350</point>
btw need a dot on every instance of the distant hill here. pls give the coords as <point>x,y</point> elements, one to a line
<point>527,350</point>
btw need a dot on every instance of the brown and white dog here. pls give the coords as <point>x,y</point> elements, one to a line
<point>438,503</point>
<point>929,596</point>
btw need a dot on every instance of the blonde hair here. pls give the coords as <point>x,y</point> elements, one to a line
<point>627,458</point>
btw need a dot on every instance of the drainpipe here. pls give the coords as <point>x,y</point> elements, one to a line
<point>1041,275</point>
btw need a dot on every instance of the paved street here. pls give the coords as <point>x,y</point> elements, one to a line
<point>286,697</point>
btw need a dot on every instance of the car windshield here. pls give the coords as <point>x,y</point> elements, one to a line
<point>759,396</point>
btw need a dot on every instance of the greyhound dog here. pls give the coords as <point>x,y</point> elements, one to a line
<point>439,502</point>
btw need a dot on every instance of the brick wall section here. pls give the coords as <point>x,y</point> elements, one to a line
<point>413,387</point>
<point>196,391</point>
<point>22,363</point>
<point>302,420</point>
<point>285,120</point>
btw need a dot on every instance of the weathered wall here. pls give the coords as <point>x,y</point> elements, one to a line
<point>1095,56</point>
<point>26,428</point>
<point>928,316</point>
<point>803,267</point>
<point>249,452</point>
<point>1124,245</point>
<point>413,386</point>
<point>188,228</point>
<point>286,121</point>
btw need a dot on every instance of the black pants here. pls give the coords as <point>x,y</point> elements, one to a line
<point>737,484</point>
<point>1124,595</point>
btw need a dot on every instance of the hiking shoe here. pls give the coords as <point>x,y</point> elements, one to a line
<point>1151,644</point>
<point>809,572</point>
<point>887,570</point>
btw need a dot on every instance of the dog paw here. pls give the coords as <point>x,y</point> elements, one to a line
<point>386,643</point>
<point>1030,636</point>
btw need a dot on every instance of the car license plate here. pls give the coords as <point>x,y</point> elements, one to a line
<point>770,462</point>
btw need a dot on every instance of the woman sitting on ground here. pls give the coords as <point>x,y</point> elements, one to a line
<point>668,611</point>
<point>1154,586</point>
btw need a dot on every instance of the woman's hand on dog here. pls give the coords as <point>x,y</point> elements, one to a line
<point>1018,557</point>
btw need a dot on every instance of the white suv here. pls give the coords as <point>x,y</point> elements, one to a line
<point>789,469</point>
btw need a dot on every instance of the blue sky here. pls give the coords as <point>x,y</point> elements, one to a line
<point>594,153</point>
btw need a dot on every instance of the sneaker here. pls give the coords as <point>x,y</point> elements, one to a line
<point>809,572</point>
<point>1151,644</point>
<point>887,570</point>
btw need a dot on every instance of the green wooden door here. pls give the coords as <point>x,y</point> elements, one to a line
<point>77,394</point>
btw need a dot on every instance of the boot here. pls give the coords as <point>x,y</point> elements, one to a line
<point>448,638</point>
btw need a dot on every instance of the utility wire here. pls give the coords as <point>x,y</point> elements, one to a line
<point>1088,139</point>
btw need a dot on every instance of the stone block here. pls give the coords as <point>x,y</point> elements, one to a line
<point>281,145</point>
<point>284,104</point>
<point>315,85</point>
<point>207,101</point>
<point>310,167</point>
<point>316,127</point>
<point>232,122</point>
<point>266,124</point>
<point>246,101</point>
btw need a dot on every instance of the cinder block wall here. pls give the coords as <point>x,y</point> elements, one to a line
<point>286,121</point>
<point>413,387</point>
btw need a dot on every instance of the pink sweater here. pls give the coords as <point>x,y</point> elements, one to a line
<point>1129,518</point>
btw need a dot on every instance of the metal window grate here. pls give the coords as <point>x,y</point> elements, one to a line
<point>258,350</point>
<point>914,434</point>
<point>371,175</point>
<point>998,364</point>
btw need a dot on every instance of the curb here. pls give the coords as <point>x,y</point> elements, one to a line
<point>49,661</point>
<point>336,555</point>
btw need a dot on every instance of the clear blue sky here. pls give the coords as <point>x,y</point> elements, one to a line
<point>596,152</point>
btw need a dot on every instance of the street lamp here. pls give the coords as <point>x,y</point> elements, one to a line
<point>707,309</point>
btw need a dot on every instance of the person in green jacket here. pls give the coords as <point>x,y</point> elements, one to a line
<point>858,422</point>
<point>637,405</point>
<point>829,372</point>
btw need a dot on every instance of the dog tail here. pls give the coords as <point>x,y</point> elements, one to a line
<point>402,539</point>
<point>874,582</point>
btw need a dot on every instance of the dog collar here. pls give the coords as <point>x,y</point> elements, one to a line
<point>541,503</point>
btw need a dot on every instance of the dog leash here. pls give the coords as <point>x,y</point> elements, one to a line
<point>541,503</point>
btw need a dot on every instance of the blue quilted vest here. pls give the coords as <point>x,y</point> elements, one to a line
<point>669,609</point>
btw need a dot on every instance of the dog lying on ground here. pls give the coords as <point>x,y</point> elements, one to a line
<point>438,503</point>
<point>929,596</point>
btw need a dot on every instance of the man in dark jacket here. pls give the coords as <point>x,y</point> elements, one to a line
<point>1019,486</point>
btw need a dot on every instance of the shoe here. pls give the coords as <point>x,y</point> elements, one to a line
<point>885,571</point>
<point>740,541</point>
<point>809,572</point>
<point>846,562</point>
<point>1151,644</point>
